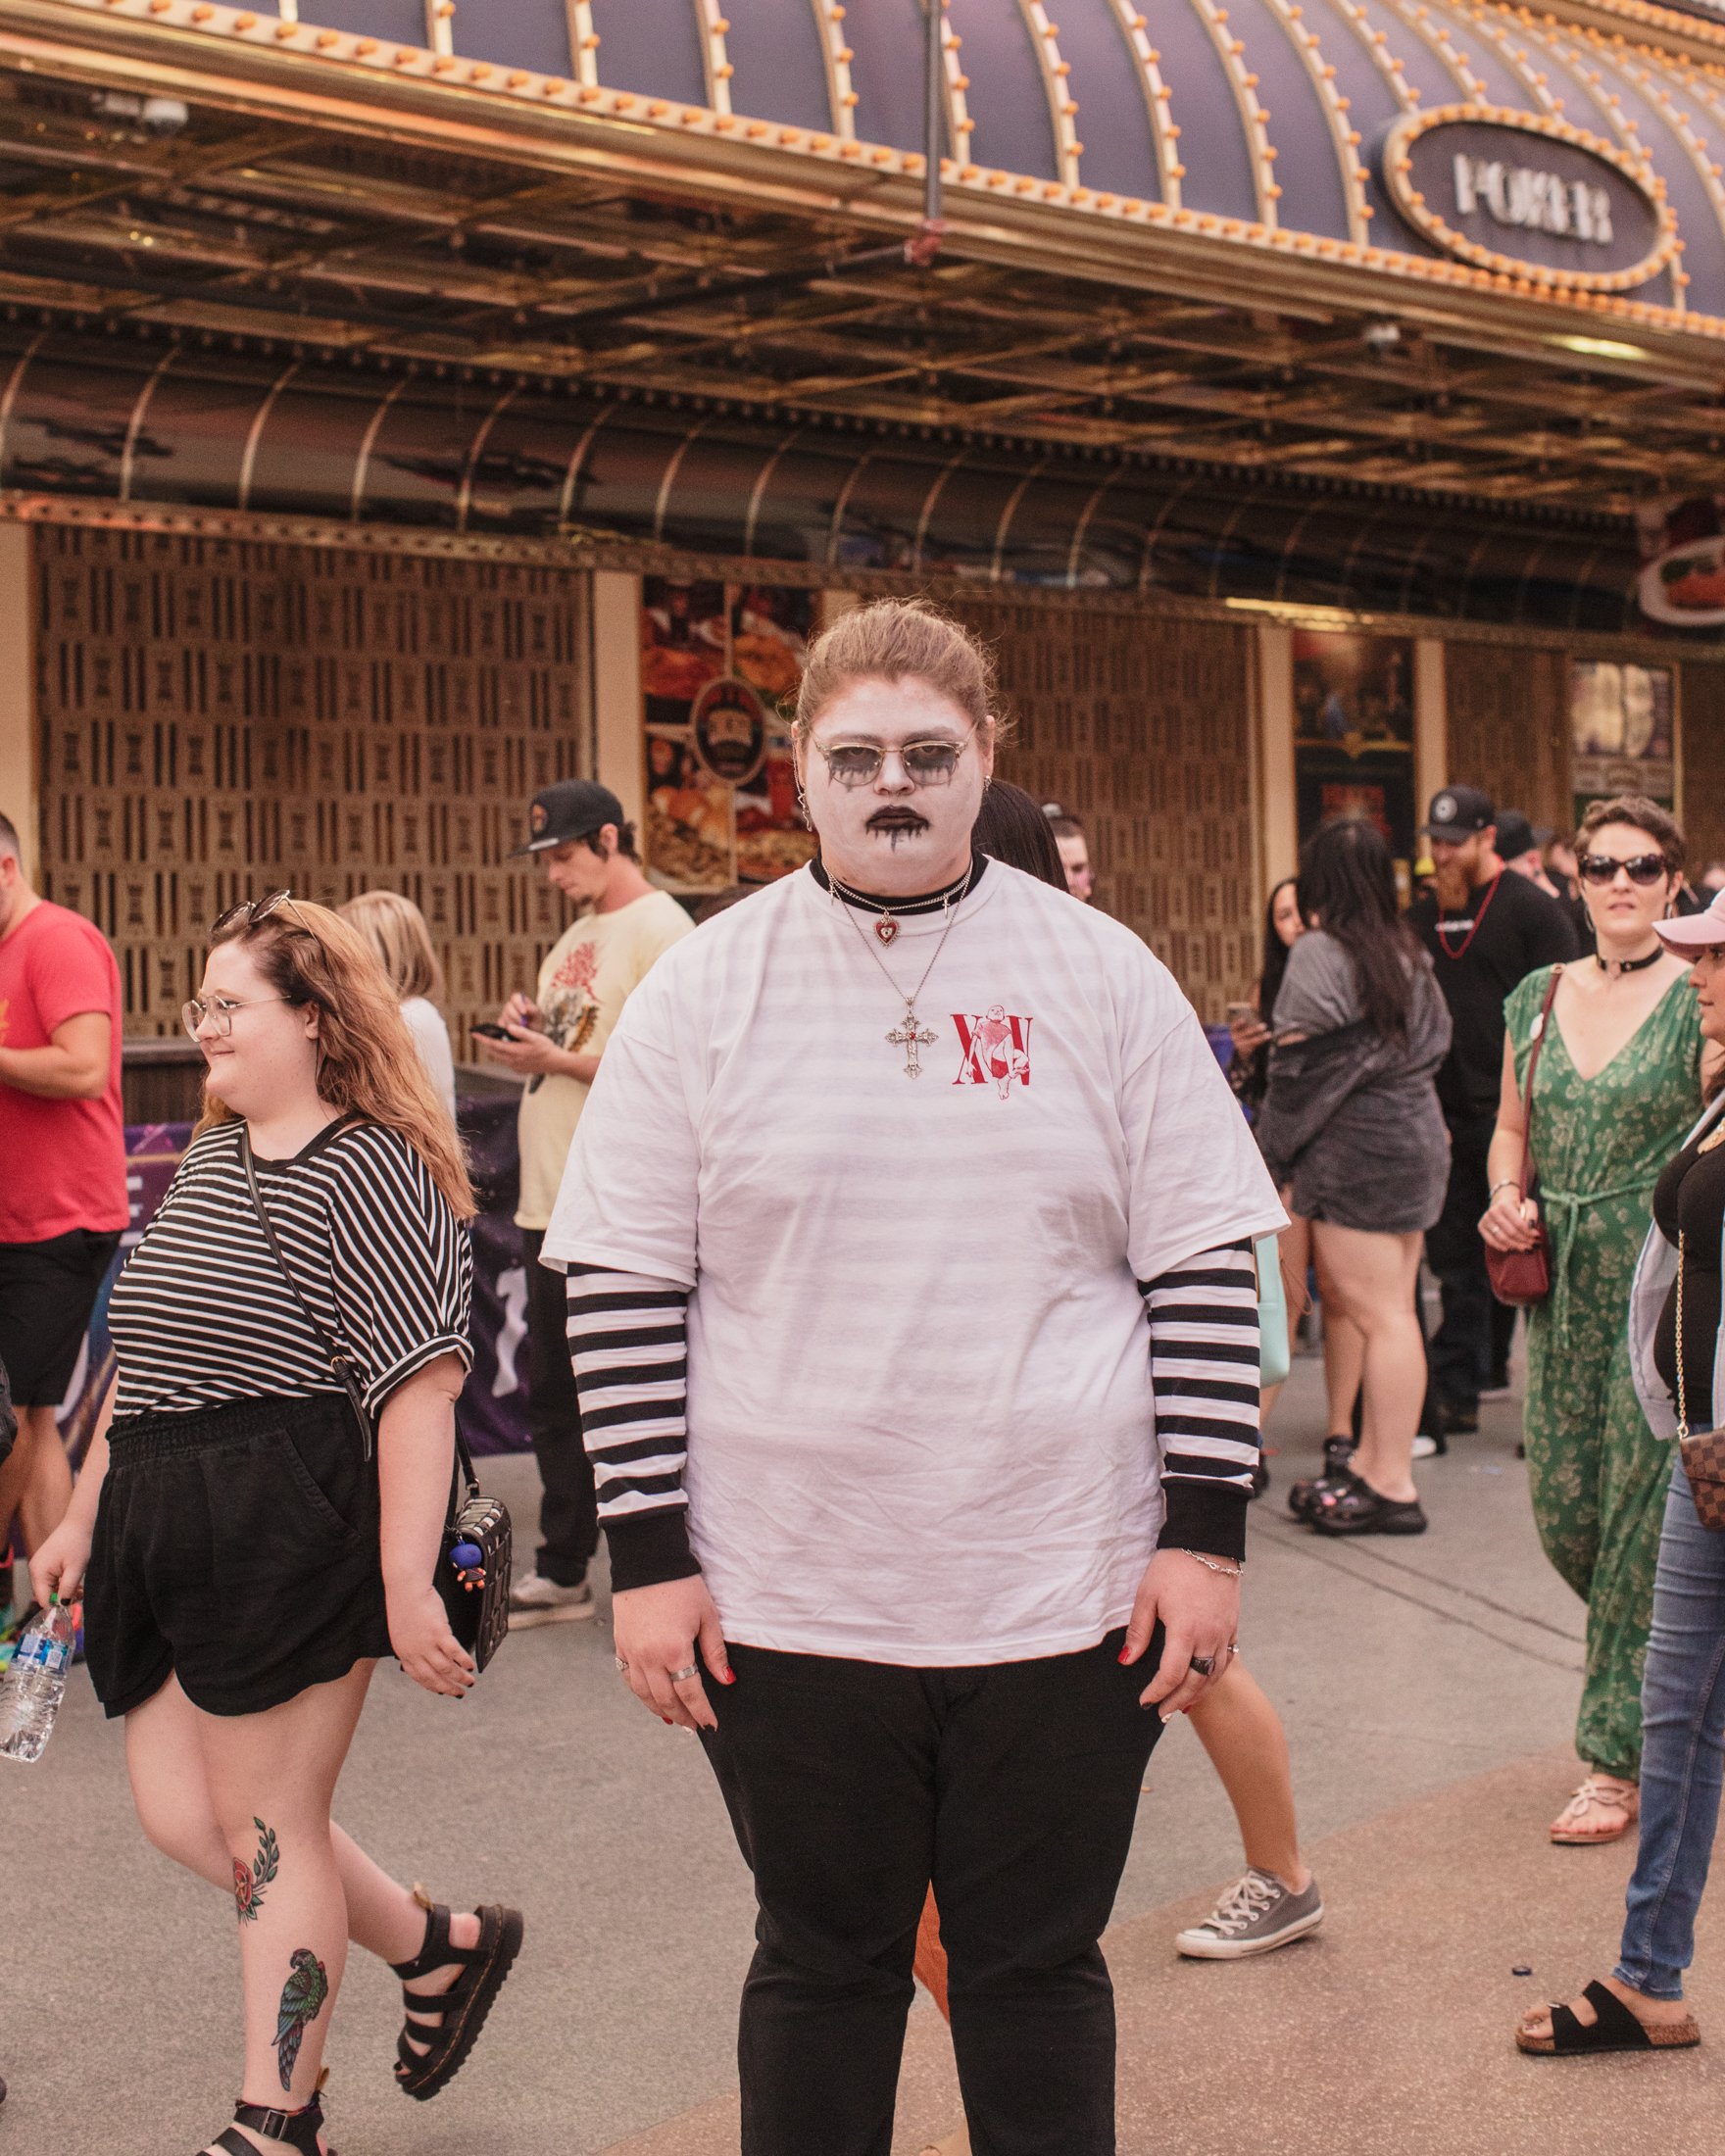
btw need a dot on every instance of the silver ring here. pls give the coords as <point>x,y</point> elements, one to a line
<point>1203,1664</point>
<point>681,1676</point>
<point>621,1663</point>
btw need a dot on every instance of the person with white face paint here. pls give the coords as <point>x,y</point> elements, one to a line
<point>883,1174</point>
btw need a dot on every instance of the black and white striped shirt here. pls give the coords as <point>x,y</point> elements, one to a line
<point>627,1340</point>
<point>202,1316</point>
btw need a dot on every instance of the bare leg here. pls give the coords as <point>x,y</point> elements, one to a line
<point>1344,1367</point>
<point>1293,1251</point>
<point>190,1780</point>
<point>1242,1735</point>
<point>35,1482</point>
<point>1371,1278</point>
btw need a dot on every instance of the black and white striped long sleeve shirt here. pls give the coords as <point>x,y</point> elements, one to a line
<point>629,1342</point>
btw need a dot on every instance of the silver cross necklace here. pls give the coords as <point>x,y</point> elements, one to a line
<point>906,1034</point>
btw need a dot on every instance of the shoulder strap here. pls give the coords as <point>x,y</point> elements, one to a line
<point>346,1372</point>
<point>1533,1058</point>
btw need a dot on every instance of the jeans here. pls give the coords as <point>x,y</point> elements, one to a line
<point>568,1510</point>
<point>1013,1787</point>
<point>1462,1354</point>
<point>1682,1731</point>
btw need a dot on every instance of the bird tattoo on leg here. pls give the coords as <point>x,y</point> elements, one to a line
<point>302,2000</point>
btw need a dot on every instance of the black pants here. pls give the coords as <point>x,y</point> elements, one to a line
<point>568,1511</point>
<point>852,1785</point>
<point>1462,1354</point>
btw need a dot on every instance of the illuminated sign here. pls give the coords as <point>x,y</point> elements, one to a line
<point>1529,196</point>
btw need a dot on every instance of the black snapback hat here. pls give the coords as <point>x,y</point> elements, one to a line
<point>1515,835</point>
<point>574,809</point>
<point>1458,811</point>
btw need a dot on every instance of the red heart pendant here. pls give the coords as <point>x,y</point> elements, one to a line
<point>886,928</point>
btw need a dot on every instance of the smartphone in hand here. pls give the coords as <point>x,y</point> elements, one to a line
<point>489,1032</point>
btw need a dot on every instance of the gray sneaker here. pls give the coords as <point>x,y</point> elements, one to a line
<point>1257,1912</point>
<point>533,1601</point>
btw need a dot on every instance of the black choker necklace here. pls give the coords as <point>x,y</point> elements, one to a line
<point>1629,965</point>
<point>889,909</point>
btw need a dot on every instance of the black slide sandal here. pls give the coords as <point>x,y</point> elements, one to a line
<point>453,2019</point>
<point>1615,2029</point>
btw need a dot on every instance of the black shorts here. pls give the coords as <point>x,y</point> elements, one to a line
<point>47,1292</point>
<point>235,1548</point>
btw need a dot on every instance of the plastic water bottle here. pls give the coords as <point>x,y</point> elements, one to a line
<point>36,1683</point>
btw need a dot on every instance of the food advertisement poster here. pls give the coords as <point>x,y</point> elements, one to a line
<point>1354,735</point>
<point>1681,580</point>
<point>721,667</point>
<point>1623,732</point>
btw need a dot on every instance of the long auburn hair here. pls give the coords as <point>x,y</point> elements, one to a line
<point>367,1061</point>
<point>1347,880</point>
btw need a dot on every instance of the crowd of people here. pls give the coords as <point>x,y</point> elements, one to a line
<point>925,1536</point>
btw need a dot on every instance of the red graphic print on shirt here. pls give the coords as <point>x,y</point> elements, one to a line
<point>571,1009</point>
<point>997,1049</point>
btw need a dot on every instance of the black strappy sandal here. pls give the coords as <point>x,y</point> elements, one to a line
<point>1615,2029</point>
<point>448,2022</point>
<point>293,2129</point>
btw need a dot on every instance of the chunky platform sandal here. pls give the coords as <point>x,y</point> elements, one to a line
<point>1359,1509</point>
<point>1305,1498</point>
<point>448,2022</point>
<point>293,2129</point>
<point>1615,2029</point>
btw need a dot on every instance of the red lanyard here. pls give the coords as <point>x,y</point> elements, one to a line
<point>1473,931</point>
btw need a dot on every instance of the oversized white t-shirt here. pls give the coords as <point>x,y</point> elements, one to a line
<point>920,1424</point>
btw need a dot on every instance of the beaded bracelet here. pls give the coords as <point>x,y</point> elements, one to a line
<point>1209,1565</point>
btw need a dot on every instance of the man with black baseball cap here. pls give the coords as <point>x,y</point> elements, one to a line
<point>1485,929</point>
<point>579,832</point>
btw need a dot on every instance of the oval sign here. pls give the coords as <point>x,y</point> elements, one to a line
<point>1528,194</point>
<point>728,723</point>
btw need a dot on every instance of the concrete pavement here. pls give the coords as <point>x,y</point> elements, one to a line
<point>1428,1688</point>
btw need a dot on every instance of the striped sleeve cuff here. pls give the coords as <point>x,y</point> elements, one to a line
<point>1203,1362</point>
<point>628,1346</point>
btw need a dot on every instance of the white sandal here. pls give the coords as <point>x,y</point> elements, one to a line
<point>1603,1809</point>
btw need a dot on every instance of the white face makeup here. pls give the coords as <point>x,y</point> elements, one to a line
<point>267,1063</point>
<point>906,829</point>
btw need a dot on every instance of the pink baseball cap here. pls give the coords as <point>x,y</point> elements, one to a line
<point>1689,933</point>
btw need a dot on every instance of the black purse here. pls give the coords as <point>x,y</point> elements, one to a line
<point>472,1573</point>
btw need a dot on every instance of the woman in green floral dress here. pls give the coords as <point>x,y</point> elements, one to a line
<point>1618,1084</point>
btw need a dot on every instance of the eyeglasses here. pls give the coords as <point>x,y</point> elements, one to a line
<point>220,1009</point>
<point>927,762</point>
<point>1602,868</point>
<point>254,910</point>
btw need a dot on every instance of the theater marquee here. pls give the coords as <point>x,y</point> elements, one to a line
<point>1528,195</point>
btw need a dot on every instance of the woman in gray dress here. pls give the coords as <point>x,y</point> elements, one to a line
<point>1352,1131</point>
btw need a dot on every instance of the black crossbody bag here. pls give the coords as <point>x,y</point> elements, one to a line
<point>472,1572</point>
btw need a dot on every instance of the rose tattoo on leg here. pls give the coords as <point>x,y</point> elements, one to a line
<point>249,1886</point>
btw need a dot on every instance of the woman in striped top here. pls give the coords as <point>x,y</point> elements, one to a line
<point>918,1361</point>
<point>246,1556</point>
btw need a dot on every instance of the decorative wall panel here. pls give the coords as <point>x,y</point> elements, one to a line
<point>1508,718</point>
<point>1143,730</point>
<point>218,719</point>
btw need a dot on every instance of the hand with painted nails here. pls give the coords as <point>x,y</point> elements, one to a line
<point>1199,1614</point>
<point>662,1636</point>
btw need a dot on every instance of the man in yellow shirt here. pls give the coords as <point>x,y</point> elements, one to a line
<point>588,850</point>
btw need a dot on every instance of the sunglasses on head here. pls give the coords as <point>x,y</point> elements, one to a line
<point>1602,868</point>
<point>253,910</point>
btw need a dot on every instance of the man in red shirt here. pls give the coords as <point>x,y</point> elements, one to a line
<point>63,1201</point>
